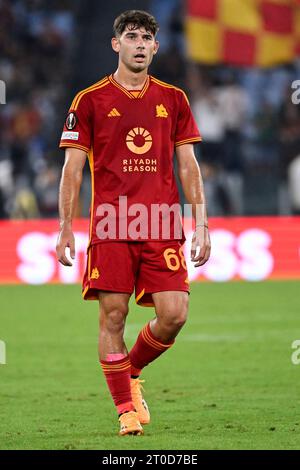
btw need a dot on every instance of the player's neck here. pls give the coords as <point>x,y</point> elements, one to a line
<point>130,80</point>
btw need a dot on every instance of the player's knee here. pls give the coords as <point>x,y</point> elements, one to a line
<point>181,320</point>
<point>178,319</point>
<point>177,316</point>
<point>115,319</point>
<point>174,321</point>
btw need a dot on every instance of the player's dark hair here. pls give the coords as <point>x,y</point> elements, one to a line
<point>135,19</point>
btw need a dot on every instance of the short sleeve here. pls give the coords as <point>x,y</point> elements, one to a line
<point>77,127</point>
<point>186,129</point>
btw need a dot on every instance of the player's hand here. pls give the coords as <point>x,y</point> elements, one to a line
<point>65,239</point>
<point>201,244</point>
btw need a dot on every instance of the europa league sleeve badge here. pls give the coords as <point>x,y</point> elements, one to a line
<point>71,121</point>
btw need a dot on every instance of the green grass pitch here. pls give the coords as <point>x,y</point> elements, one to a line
<point>228,383</point>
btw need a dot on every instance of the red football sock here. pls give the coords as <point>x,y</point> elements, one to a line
<point>146,349</point>
<point>117,374</point>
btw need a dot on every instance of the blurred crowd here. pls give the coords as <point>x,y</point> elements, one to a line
<point>35,45</point>
<point>251,139</point>
<point>250,155</point>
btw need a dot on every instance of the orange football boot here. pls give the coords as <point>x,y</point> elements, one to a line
<point>130,424</point>
<point>138,401</point>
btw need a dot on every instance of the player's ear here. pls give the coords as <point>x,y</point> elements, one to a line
<point>156,47</point>
<point>115,44</point>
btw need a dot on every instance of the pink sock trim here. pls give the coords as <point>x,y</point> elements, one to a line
<point>124,407</point>
<point>115,357</point>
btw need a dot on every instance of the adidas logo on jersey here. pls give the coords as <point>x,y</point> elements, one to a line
<point>114,113</point>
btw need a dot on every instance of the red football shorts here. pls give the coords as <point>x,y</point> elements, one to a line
<point>147,267</point>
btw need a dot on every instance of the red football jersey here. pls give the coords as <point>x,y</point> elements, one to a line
<point>130,138</point>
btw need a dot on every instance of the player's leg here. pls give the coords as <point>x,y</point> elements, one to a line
<point>156,338</point>
<point>163,284</point>
<point>113,312</point>
<point>109,278</point>
<point>171,308</point>
<point>114,358</point>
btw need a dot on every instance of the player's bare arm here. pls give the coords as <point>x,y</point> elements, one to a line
<point>192,185</point>
<point>68,198</point>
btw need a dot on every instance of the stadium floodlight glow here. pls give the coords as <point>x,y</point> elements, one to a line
<point>2,92</point>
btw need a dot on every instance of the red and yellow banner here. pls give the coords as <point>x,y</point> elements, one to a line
<point>248,248</point>
<point>243,32</point>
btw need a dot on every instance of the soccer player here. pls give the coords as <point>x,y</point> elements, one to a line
<point>129,124</point>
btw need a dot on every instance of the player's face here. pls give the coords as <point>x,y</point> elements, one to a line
<point>136,48</point>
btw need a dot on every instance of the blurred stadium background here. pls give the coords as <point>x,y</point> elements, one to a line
<point>238,61</point>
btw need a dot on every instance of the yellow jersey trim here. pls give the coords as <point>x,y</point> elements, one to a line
<point>116,84</point>
<point>91,162</point>
<point>188,141</point>
<point>84,292</point>
<point>140,295</point>
<point>167,85</point>
<point>79,95</point>
<point>138,94</point>
<point>76,146</point>
<point>145,88</point>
